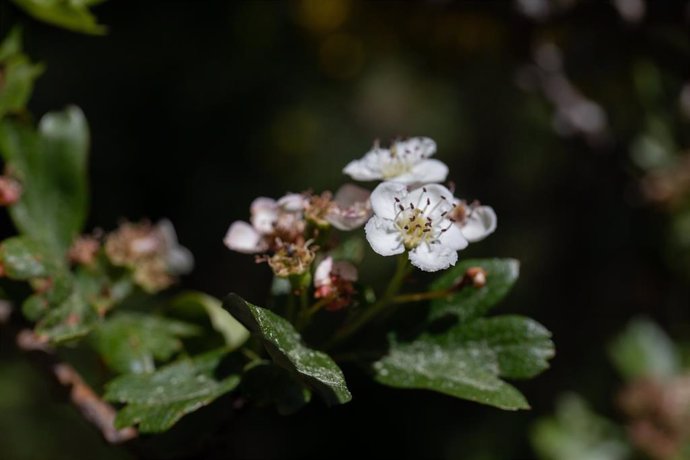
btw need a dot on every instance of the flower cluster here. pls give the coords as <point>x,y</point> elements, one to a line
<point>408,212</point>
<point>150,251</point>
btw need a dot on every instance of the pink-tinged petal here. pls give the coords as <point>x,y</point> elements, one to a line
<point>423,147</point>
<point>383,237</point>
<point>242,237</point>
<point>453,238</point>
<point>292,202</point>
<point>383,199</point>
<point>322,274</point>
<point>351,194</point>
<point>264,212</point>
<point>479,224</point>
<point>432,257</point>
<point>345,270</point>
<point>428,171</point>
<point>351,208</point>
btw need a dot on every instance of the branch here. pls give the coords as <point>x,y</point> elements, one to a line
<point>92,407</point>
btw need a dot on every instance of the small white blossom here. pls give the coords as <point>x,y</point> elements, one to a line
<point>406,162</point>
<point>334,279</point>
<point>271,221</point>
<point>418,221</point>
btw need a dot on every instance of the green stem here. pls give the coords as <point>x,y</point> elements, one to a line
<point>420,296</point>
<point>377,307</point>
<point>311,311</point>
<point>291,307</point>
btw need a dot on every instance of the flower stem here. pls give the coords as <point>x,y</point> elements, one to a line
<point>377,307</point>
<point>420,296</point>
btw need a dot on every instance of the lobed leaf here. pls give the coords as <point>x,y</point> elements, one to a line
<point>577,433</point>
<point>23,258</point>
<point>468,360</point>
<point>158,400</point>
<point>131,342</point>
<point>17,74</point>
<point>51,165</point>
<point>233,332</point>
<point>285,346</point>
<point>471,302</point>
<point>644,350</point>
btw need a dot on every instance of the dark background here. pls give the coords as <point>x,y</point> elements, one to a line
<point>197,107</point>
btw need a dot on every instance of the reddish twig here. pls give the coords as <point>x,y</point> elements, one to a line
<point>90,405</point>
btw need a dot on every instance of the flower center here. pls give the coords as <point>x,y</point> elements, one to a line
<point>415,224</point>
<point>398,162</point>
<point>414,227</point>
<point>395,167</point>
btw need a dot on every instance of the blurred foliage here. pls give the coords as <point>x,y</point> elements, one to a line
<point>655,402</point>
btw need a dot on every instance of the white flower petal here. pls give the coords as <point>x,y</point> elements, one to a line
<point>433,257</point>
<point>242,237</point>
<point>428,171</point>
<point>264,212</point>
<point>383,199</point>
<point>345,270</point>
<point>383,237</point>
<point>292,202</point>
<point>366,168</point>
<point>180,260</point>
<point>479,224</point>
<point>322,274</point>
<point>423,147</point>
<point>453,238</point>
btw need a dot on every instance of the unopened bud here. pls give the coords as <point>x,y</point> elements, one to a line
<point>10,191</point>
<point>477,275</point>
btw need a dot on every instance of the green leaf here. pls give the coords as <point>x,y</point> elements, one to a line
<point>69,14</point>
<point>157,401</point>
<point>269,384</point>
<point>468,360</point>
<point>17,74</point>
<point>70,319</point>
<point>644,350</point>
<point>232,330</point>
<point>577,433</point>
<point>470,302</point>
<point>23,258</point>
<point>285,346</point>
<point>51,165</point>
<point>131,342</point>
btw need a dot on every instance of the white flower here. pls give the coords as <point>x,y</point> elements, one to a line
<point>418,221</point>
<point>406,162</point>
<point>475,221</point>
<point>334,279</point>
<point>350,208</point>
<point>271,221</point>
